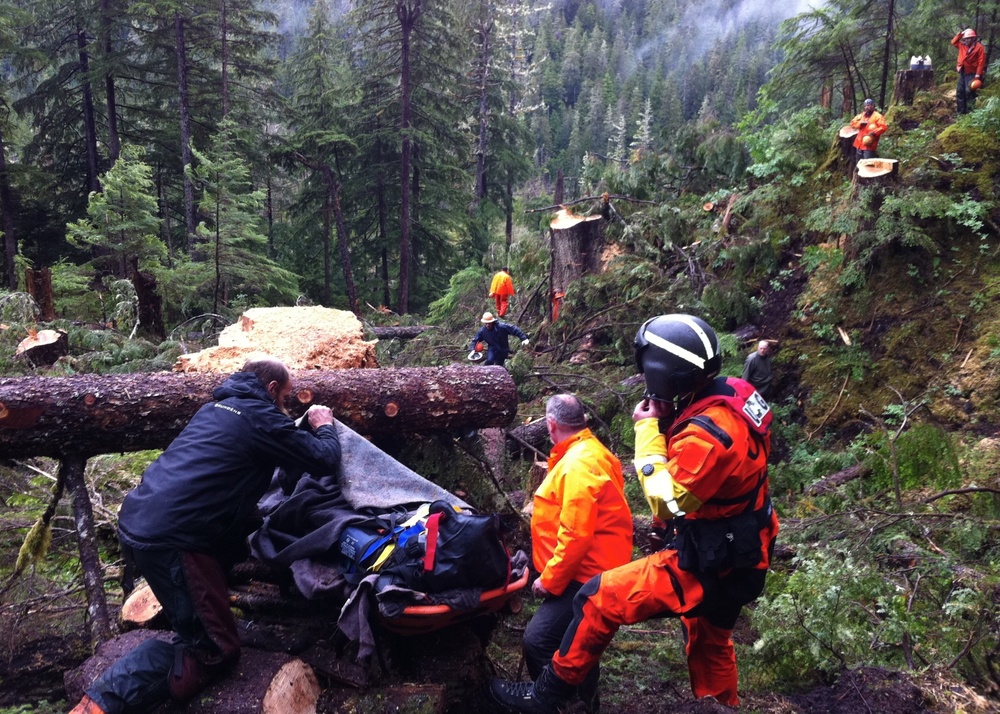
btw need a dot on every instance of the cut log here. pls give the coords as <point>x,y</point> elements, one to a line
<point>43,348</point>
<point>908,81</point>
<point>877,171</point>
<point>141,610</point>
<point>265,682</point>
<point>96,414</point>
<point>400,332</point>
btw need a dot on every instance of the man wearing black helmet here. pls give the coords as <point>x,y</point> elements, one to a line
<point>701,454</point>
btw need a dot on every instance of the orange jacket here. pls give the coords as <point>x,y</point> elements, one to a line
<point>581,524</point>
<point>875,128</point>
<point>502,285</point>
<point>696,468</point>
<point>972,59</point>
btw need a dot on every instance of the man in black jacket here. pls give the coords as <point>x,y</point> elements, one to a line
<point>186,524</point>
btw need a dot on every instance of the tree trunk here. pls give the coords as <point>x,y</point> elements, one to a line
<point>383,237</point>
<point>408,12</point>
<point>38,284</point>
<point>345,251</point>
<point>7,208</point>
<point>484,32</point>
<point>73,466</point>
<point>327,232</point>
<point>185,120</point>
<point>114,141</point>
<point>224,38</point>
<point>96,414</point>
<point>150,313</point>
<point>886,55</point>
<point>89,123</point>
<point>577,244</point>
<point>909,81</point>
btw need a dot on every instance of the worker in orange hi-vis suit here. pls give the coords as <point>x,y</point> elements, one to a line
<point>501,290</point>
<point>701,448</point>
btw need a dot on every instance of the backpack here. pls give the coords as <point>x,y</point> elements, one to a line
<point>435,550</point>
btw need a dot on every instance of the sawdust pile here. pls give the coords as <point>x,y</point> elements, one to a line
<point>301,337</point>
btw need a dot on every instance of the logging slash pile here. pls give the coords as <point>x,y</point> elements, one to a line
<point>301,337</point>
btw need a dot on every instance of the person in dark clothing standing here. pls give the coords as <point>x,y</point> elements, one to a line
<point>186,524</point>
<point>757,368</point>
<point>496,335</point>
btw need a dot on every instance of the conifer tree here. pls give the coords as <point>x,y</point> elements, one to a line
<point>122,224</point>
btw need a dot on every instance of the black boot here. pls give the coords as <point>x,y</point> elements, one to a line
<point>544,696</point>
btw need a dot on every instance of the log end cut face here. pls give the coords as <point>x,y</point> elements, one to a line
<point>848,132</point>
<point>871,168</point>
<point>566,219</point>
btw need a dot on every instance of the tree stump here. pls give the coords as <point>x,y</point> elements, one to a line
<point>577,243</point>
<point>877,171</point>
<point>908,81</point>
<point>43,348</point>
<point>845,139</point>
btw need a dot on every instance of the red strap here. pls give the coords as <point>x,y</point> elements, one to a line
<point>432,541</point>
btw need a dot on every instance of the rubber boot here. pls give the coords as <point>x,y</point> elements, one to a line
<point>87,706</point>
<point>545,696</point>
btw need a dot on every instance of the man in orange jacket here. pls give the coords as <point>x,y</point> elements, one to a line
<point>581,525</point>
<point>971,66</point>
<point>707,474</point>
<point>501,290</point>
<point>870,125</point>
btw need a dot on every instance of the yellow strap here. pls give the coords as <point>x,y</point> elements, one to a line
<point>382,557</point>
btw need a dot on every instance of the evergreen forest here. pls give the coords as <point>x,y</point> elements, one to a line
<point>386,157</point>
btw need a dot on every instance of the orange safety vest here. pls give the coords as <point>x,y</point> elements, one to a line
<point>581,525</point>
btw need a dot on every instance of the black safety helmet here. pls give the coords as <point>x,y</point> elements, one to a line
<point>677,354</point>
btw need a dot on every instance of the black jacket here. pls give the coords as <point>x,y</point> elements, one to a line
<point>201,493</point>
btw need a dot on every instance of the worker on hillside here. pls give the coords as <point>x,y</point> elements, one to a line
<point>186,524</point>
<point>581,526</point>
<point>707,475</point>
<point>757,368</point>
<point>496,335</point>
<point>501,290</point>
<point>971,67</point>
<point>870,125</point>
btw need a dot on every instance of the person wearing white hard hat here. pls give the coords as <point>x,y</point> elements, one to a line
<point>971,67</point>
<point>496,336</point>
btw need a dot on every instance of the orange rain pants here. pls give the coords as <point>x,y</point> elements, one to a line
<point>707,604</point>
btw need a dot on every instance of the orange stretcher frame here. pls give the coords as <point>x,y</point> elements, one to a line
<point>421,619</point>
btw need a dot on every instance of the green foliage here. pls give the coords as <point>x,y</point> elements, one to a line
<point>925,455</point>
<point>813,622</point>
<point>122,224</point>
<point>237,262</point>
<point>466,292</point>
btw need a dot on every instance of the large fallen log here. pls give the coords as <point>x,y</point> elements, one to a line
<point>97,414</point>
